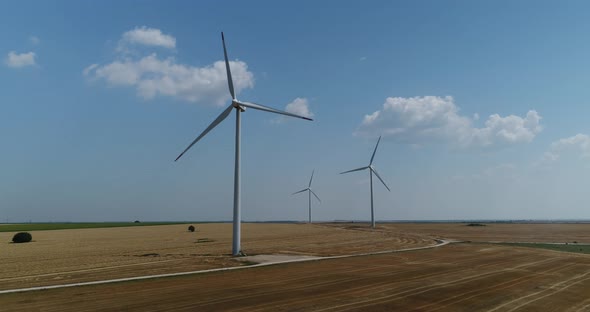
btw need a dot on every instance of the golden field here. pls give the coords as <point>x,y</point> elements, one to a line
<point>474,276</point>
<point>65,256</point>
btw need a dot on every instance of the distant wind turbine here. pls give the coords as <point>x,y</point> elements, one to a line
<point>371,171</point>
<point>240,107</point>
<point>309,195</point>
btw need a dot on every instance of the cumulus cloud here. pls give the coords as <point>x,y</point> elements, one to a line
<point>14,59</point>
<point>153,76</point>
<point>421,120</point>
<point>579,142</point>
<point>149,37</point>
<point>299,106</point>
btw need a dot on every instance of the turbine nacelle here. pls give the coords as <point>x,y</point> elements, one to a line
<point>236,104</point>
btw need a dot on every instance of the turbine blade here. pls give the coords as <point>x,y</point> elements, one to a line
<point>374,151</point>
<point>311,178</point>
<point>375,172</point>
<point>315,195</point>
<point>215,122</point>
<point>230,81</point>
<point>357,169</point>
<point>300,191</point>
<point>270,109</point>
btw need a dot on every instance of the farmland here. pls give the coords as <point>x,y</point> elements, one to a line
<point>74,225</point>
<point>63,256</point>
<point>503,232</point>
<point>557,247</point>
<point>473,276</point>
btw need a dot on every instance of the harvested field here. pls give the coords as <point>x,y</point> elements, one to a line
<point>465,276</point>
<point>458,277</point>
<point>500,232</point>
<point>26,227</point>
<point>67,256</point>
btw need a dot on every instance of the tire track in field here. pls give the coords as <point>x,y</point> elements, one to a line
<point>304,286</point>
<point>478,292</point>
<point>300,278</point>
<point>86,270</point>
<point>423,289</point>
<point>226,299</point>
<point>561,285</point>
<point>376,269</point>
<point>363,289</point>
<point>373,288</point>
<point>582,306</point>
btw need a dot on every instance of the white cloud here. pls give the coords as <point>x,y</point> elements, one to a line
<point>299,106</point>
<point>152,76</point>
<point>579,142</point>
<point>426,119</point>
<point>89,69</point>
<point>149,37</point>
<point>14,59</point>
<point>363,58</point>
<point>34,40</point>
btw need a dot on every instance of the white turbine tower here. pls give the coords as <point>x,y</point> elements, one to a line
<point>371,171</point>
<point>240,107</point>
<point>309,195</point>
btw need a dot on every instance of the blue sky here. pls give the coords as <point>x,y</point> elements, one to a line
<point>482,108</point>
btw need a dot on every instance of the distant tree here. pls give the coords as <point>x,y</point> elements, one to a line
<point>136,221</point>
<point>22,237</point>
<point>191,228</point>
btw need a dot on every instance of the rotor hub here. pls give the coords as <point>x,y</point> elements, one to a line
<point>237,105</point>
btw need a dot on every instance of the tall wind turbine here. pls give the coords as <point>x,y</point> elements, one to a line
<point>240,107</point>
<point>309,192</point>
<point>371,171</point>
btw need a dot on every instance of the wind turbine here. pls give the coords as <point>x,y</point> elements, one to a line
<point>371,171</point>
<point>309,195</point>
<point>240,107</point>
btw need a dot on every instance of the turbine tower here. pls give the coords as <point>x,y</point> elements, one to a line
<point>309,192</point>
<point>371,171</point>
<point>240,107</point>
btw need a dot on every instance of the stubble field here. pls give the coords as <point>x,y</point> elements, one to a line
<point>458,277</point>
<point>80,255</point>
